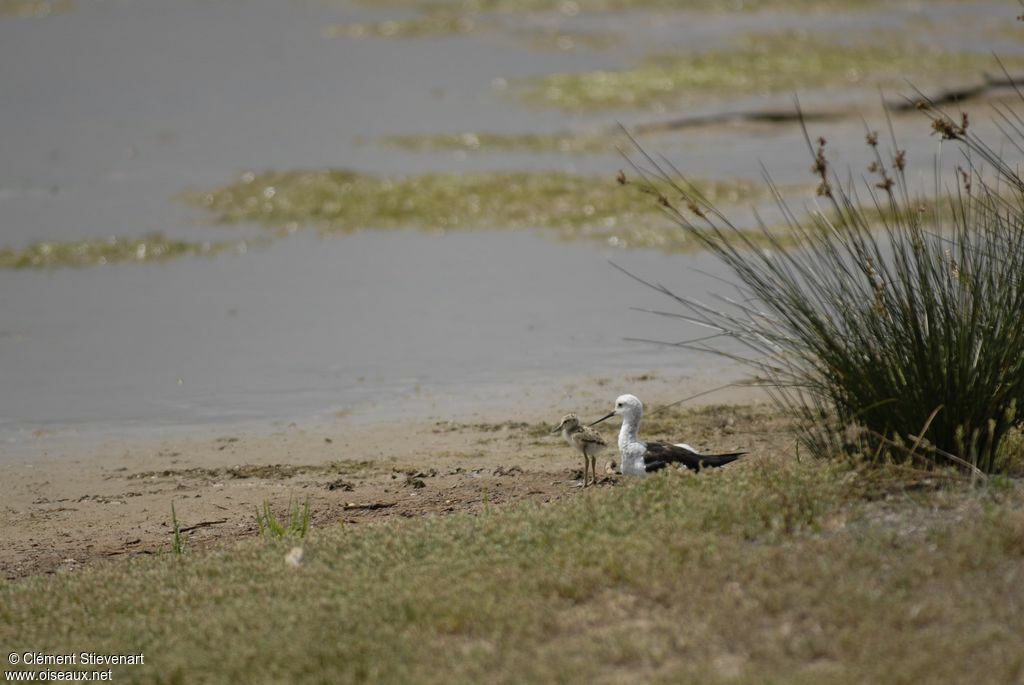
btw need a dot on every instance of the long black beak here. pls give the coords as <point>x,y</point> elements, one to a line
<point>557,429</point>
<point>602,419</point>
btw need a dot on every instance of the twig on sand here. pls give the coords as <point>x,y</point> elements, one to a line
<point>202,524</point>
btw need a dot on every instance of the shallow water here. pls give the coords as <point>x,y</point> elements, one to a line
<point>113,108</point>
<point>313,327</point>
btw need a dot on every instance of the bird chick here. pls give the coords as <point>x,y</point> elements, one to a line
<point>587,442</point>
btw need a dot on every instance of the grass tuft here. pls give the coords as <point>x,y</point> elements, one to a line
<point>295,524</point>
<point>177,541</point>
<point>893,331</point>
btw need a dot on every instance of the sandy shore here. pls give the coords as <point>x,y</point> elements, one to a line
<point>82,505</point>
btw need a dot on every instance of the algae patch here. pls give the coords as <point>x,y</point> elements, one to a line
<point>35,9</point>
<point>431,24</point>
<point>151,248</point>
<point>443,24</point>
<point>565,40</point>
<point>577,206</point>
<point>759,63</point>
<point>559,143</point>
<point>573,7</point>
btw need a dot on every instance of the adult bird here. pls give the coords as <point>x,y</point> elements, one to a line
<point>586,440</point>
<point>640,458</point>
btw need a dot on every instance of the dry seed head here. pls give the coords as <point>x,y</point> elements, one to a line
<point>621,178</point>
<point>820,169</point>
<point>900,160</point>
<point>880,307</point>
<point>965,178</point>
<point>820,163</point>
<point>872,138</point>
<point>954,267</point>
<point>853,433</point>
<point>949,129</point>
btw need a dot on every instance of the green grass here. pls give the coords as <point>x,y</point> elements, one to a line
<point>769,571</point>
<point>578,207</point>
<point>295,523</point>
<point>151,248</point>
<point>177,541</point>
<point>780,62</point>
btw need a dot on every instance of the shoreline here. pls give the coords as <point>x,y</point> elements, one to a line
<point>75,504</point>
<point>29,442</point>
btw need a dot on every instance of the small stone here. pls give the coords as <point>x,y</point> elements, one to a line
<point>294,557</point>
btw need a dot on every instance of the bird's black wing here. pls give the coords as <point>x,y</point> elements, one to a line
<point>722,459</point>
<point>674,454</point>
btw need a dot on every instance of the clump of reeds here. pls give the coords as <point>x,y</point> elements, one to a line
<point>894,326</point>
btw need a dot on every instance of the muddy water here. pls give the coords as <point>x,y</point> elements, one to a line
<point>113,108</point>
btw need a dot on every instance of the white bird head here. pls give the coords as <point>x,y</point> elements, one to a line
<point>627,406</point>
